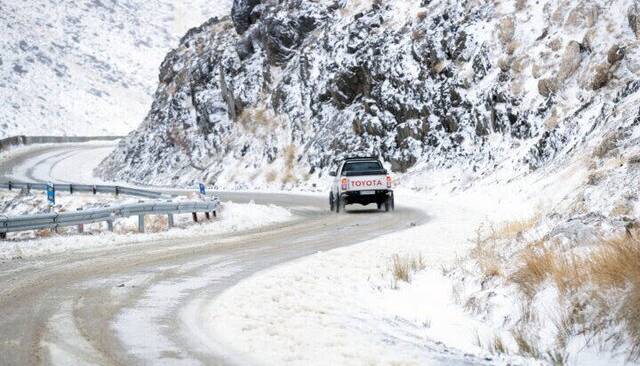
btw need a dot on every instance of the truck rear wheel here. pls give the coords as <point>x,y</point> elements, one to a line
<point>331,202</point>
<point>340,204</point>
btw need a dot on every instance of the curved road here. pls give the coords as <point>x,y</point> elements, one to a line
<point>139,304</point>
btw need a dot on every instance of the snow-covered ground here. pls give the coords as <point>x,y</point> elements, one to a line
<point>82,67</point>
<point>339,306</point>
<point>233,217</point>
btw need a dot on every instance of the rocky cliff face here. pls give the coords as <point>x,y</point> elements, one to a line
<point>275,93</point>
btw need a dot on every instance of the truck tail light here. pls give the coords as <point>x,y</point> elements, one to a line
<point>389,181</point>
<point>345,184</point>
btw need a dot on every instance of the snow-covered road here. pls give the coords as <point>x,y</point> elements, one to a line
<point>143,303</point>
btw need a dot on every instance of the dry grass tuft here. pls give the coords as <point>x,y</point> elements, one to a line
<point>526,346</point>
<point>156,224</point>
<point>487,256</point>
<point>610,276</point>
<point>253,119</point>
<point>289,163</point>
<point>496,345</point>
<point>535,266</point>
<point>403,267</point>
<point>513,229</point>
<point>487,251</point>
<point>271,176</point>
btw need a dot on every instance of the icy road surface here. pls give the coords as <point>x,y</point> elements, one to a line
<point>127,305</point>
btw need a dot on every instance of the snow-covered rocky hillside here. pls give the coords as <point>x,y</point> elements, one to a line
<point>272,95</point>
<point>86,67</point>
<point>530,105</point>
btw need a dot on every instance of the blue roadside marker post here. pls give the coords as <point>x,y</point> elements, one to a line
<point>51,195</point>
<point>203,194</point>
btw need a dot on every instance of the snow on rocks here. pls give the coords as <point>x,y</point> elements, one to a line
<point>271,97</point>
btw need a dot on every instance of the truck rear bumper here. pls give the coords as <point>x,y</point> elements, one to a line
<point>360,197</point>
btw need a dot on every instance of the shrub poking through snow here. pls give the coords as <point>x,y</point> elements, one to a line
<point>403,267</point>
<point>594,286</point>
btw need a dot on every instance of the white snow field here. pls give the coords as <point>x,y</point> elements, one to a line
<point>82,67</point>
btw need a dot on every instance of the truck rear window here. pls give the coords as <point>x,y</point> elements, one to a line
<point>362,166</point>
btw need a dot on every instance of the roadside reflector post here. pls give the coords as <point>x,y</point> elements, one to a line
<point>207,215</point>
<point>141,223</point>
<point>195,216</point>
<point>95,190</point>
<point>3,236</point>
<point>170,220</point>
<point>117,190</point>
<point>215,214</point>
<point>70,188</point>
<point>10,185</point>
<point>28,188</point>
<point>110,225</point>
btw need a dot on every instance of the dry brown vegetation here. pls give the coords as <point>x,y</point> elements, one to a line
<point>289,164</point>
<point>251,119</point>
<point>607,273</point>
<point>487,251</point>
<point>403,267</point>
<point>609,276</point>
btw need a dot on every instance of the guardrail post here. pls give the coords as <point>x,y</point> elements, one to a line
<point>10,185</point>
<point>195,216</point>
<point>80,226</point>
<point>141,223</point>
<point>70,188</point>
<point>215,214</point>
<point>170,220</point>
<point>110,225</point>
<point>207,215</point>
<point>3,236</point>
<point>117,190</point>
<point>95,190</point>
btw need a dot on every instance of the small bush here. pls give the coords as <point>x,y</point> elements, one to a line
<point>403,267</point>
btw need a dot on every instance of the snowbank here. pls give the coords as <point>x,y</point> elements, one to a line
<point>336,307</point>
<point>233,218</point>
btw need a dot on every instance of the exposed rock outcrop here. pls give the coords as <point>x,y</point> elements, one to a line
<point>416,83</point>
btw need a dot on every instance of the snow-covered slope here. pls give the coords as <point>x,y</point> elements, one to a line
<point>273,96</point>
<point>86,67</point>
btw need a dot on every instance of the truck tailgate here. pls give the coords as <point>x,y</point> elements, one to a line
<point>365,183</point>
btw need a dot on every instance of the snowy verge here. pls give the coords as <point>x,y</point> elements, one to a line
<point>233,217</point>
<point>336,307</point>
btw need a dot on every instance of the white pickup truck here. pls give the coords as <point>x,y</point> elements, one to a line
<point>363,181</point>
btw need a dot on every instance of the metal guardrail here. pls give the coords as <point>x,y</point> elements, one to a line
<point>28,140</point>
<point>86,188</point>
<point>109,215</point>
